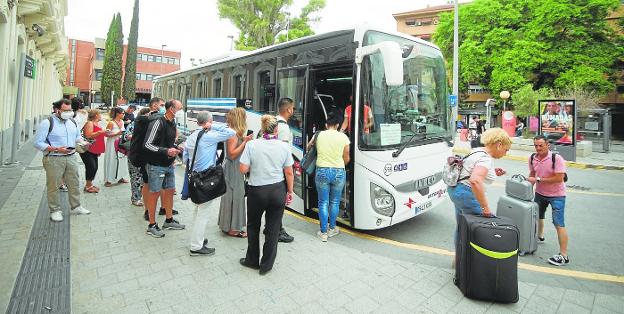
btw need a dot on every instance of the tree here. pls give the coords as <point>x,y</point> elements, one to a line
<point>129,85</point>
<point>111,74</point>
<point>525,100</point>
<point>260,22</point>
<point>506,44</point>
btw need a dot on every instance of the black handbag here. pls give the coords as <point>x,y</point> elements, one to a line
<point>208,184</point>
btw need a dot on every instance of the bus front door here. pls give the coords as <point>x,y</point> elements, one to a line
<point>292,82</point>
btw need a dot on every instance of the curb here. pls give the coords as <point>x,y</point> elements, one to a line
<point>571,164</point>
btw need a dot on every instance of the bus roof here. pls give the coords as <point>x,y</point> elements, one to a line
<point>356,31</point>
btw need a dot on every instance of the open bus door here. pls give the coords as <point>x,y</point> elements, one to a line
<point>292,82</point>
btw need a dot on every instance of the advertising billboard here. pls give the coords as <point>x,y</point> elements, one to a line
<point>557,121</point>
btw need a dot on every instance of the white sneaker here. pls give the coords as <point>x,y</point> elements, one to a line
<point>80,211</point>
<point>56,216</point>
<point>333,232</point>
<point>322,235</point>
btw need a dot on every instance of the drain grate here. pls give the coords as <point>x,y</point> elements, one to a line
<point>43,284</point>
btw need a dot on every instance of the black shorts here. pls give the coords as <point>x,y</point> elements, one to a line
<point>144,174</point>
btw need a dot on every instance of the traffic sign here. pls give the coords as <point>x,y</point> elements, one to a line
<point>453,100</point>
<point>29,67</point>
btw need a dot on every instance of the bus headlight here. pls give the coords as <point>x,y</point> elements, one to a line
<point>381,200</point>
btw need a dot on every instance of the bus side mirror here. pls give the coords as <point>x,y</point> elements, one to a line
<point>392,57</point>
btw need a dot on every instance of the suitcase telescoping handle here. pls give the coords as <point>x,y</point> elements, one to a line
<point>519,177</point>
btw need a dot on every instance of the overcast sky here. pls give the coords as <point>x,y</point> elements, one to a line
<point>194,27</point>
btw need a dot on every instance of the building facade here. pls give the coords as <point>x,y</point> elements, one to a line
<point>34,29</point>
<point>84,73</point>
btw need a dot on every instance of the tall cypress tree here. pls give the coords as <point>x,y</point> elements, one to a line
<point>111,74</point>
<point>129,85</point>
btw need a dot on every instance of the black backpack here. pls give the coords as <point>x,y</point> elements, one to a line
<point>554,157</point>
<point>141,124</point>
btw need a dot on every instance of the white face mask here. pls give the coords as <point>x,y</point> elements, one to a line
<point>67,115</point>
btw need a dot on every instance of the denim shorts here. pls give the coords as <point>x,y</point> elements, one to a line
<point>159,177</point>
<point>557,204</point>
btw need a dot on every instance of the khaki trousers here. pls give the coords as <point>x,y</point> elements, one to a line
<point>66,168</point>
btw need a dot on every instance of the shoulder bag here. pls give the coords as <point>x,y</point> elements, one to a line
<point>208,184</point>
<point>308,162</point>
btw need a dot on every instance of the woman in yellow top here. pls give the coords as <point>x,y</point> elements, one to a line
<point>332,149</point>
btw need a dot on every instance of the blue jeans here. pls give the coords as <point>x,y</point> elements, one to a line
<point>329,185</point>
<point>465,203</point>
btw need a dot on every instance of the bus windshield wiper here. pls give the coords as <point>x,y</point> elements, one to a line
<point>400,150</point>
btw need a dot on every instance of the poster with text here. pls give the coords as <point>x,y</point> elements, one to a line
<point>557,121</point>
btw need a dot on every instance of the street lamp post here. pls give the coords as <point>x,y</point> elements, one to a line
<point>504,95</point>
<point>455,109</point>
<point>92,98</point>
<point>162,57</point>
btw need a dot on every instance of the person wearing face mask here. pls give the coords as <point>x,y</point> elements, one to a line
<point>159,153</point>
<point>56,137</point>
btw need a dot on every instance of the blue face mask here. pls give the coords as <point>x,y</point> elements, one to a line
<point>162,110</point>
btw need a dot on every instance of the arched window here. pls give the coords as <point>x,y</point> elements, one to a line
<point>237,87</point>
<point>264,98</point>
<point>217,85</point>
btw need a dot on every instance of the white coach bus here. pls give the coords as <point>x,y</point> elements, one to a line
<point>400,134</point>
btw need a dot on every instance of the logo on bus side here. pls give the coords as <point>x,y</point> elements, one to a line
<point>438,194</point>
<point>388,168</point>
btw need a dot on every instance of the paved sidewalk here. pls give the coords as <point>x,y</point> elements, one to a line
<point>116,268</point>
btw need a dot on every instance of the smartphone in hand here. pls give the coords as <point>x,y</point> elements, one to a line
<point>249,132</point>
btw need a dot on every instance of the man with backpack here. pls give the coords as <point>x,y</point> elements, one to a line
<point>56,137</point>
<point>548,173</point>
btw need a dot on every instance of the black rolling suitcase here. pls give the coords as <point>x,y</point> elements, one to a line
<point>486,258</point>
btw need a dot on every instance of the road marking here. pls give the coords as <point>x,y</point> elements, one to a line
<point>573,191</point>
<point>438,251</point>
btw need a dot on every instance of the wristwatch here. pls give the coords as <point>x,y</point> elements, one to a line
<point>538,179</point>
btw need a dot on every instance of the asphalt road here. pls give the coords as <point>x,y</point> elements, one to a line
<point>594,216</point>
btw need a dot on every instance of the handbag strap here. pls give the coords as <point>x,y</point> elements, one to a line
<point>217,158</point>
<point>315,136</point>
<point>201,133</point>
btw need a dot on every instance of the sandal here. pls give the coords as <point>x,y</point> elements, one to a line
<point>108,184</point>
<point>122,180</point>
<point>237,234</point>
<point>137,203</point>
<point>91,189</point>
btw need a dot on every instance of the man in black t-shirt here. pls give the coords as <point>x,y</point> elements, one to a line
<point>160,152</point>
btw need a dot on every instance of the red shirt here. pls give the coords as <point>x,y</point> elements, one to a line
<point>98,147</point>
<point>544,168</point>
<point>347,115</point>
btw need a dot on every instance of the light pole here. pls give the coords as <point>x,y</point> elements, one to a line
<point>162,57</point>
<point>92,98</point>
<point>287,24</point>
<point>455,62</point>
<point>504,95</point>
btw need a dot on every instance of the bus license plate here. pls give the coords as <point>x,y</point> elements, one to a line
<point>422,207</point>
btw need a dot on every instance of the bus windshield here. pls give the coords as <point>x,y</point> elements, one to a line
<point>415,111</point>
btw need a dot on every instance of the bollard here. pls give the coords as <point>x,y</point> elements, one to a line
<point>606,138</point>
